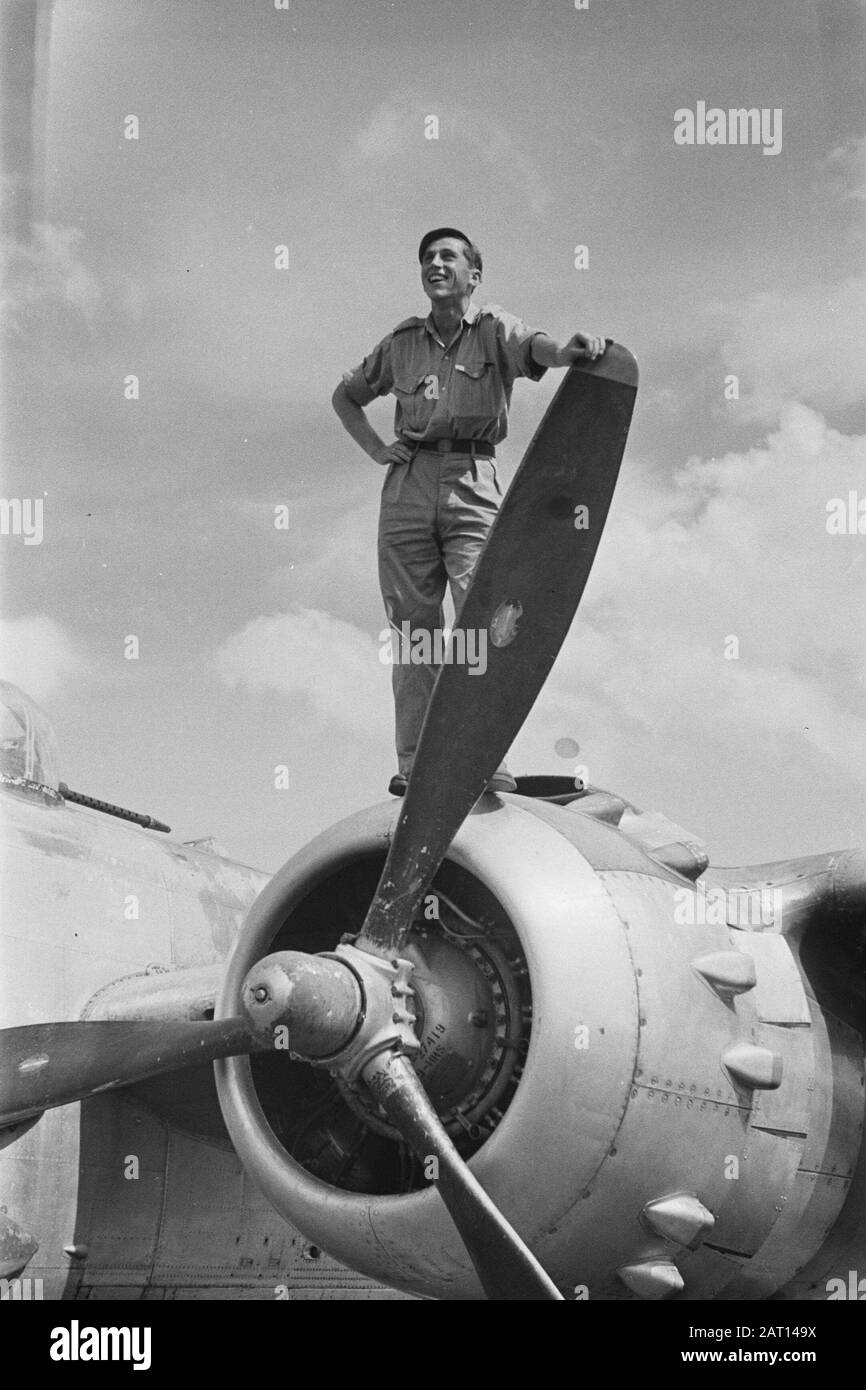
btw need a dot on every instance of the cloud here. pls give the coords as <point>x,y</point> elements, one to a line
<point>329,663</point>
<point>799,345</point>
<point>494,143</point>
<point>334,566</point>
<point>847,165</point>
<point>395,128</point>
<point>49,271</point>
<point>386,133</point>
<point>735,547</point>
<point>36,654</point>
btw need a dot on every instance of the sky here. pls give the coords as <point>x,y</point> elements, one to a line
<point>306,127</point>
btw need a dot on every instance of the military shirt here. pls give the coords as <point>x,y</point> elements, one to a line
<point>458,391</point>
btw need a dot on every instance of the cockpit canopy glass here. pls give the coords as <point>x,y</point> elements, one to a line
<point>28,750</point>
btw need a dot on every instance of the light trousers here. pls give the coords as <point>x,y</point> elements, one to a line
<point>435,515</point>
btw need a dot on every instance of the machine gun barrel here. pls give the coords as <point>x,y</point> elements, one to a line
<point>148,822</point>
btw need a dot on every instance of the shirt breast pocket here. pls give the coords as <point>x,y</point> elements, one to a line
<point>477,392</point>
<point>416,399</point>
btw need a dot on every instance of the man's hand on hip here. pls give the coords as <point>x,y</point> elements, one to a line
<point>398,452</point>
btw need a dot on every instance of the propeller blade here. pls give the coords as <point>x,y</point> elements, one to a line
<point>521,602</point>
<point>47,1064</point>
<point>505,1266</point>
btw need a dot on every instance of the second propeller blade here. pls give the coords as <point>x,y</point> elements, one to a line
<point>47,1064</point>
<point>505,1266</point>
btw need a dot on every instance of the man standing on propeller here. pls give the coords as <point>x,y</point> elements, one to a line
<point>452,374</point>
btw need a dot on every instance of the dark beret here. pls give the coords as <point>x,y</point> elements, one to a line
<point>438,232</point>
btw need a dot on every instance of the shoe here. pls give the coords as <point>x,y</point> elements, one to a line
<point>398,784</point>
<point>502,781</point>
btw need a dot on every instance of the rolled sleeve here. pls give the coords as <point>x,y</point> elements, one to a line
<point>514,341</point>
<point>373,376</point>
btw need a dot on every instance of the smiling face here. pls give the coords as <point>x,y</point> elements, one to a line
<point>446,272</point>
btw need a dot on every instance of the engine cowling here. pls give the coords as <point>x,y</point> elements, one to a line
<point>647,1103</point>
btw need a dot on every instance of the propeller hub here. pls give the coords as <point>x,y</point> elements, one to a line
<point>470,1027</point>
<point>308,1006</point>
<point>336,1010</point>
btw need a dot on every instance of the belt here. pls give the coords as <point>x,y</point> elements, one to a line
<point>454,446</point>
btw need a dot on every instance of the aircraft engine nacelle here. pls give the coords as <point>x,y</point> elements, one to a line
<point>658,1108</point>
